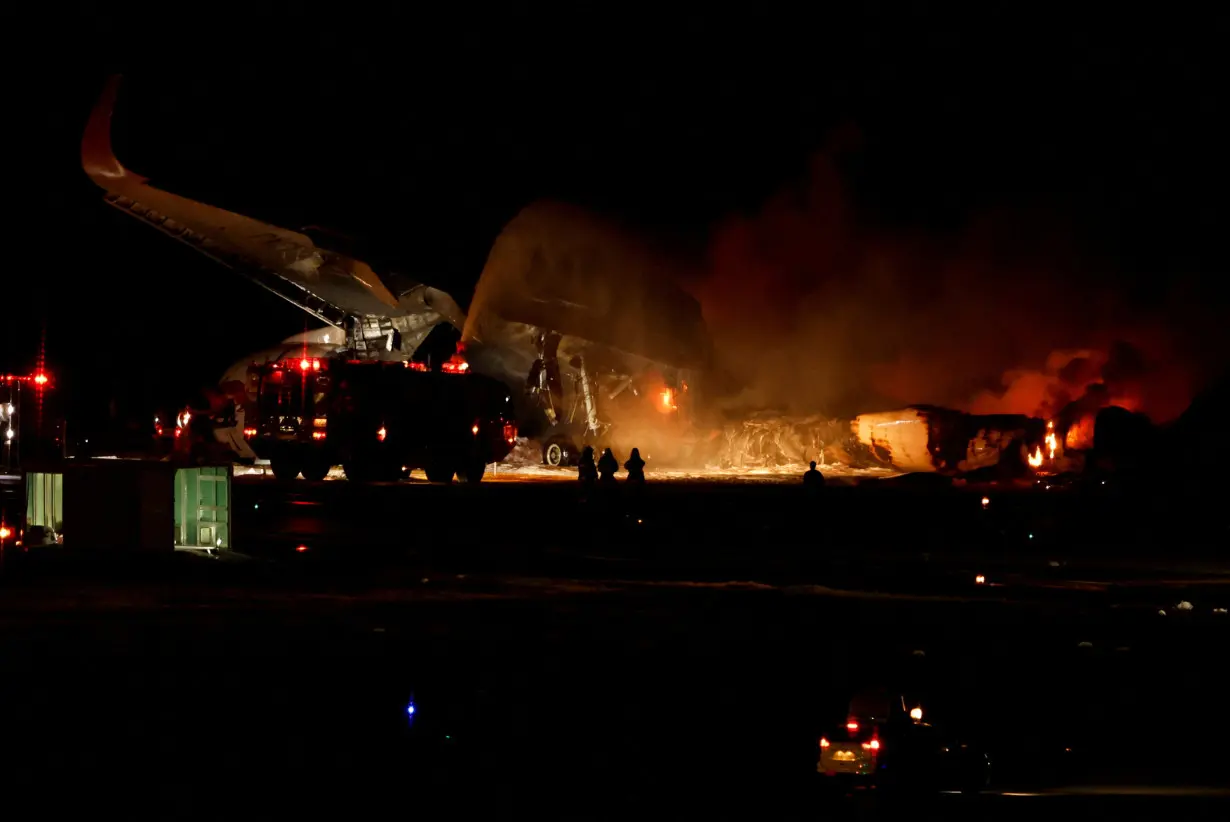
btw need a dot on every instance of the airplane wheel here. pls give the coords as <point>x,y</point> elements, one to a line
<point>556,453</point>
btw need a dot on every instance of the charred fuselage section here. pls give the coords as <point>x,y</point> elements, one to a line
<point>930,439</point>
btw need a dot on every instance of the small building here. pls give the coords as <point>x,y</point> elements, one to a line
<point>131,505</point>
<point>45,501</point>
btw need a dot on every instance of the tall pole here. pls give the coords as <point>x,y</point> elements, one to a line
<point>6,440</point>
<point>41,368</point>
<point>15,426</point>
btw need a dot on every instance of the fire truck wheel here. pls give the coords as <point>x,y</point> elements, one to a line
<point>285,466</point>
<point>473,472</point>
<point>356,471</point>
<point>315,469</point>
<point>438,473</point>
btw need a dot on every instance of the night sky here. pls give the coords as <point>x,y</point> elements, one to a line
<point>422,136</point>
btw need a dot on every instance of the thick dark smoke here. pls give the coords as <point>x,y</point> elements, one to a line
<point>813,310</point>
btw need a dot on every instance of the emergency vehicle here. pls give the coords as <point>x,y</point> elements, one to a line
<point>378,419</point>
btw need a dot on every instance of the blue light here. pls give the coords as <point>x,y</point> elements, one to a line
<point>410,709</point>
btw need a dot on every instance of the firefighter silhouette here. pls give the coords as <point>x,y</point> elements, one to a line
<point>813,478</point>
<point>607,466</point>
<point>587,471</point>
<point>635,466</point>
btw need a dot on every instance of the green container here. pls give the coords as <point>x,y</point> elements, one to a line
<point>45,499</point>
<point>203,507</point>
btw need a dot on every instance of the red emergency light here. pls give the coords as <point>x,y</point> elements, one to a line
<point>309,364</point>
<point>40,379</point>
<point>456,365</point>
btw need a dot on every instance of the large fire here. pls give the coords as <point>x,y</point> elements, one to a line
<point>668,399</point>
<point>1052,445</point>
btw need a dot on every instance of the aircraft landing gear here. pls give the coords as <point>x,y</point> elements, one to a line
<point>558,452</point>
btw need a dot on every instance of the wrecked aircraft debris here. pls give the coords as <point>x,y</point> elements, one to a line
<point>769,440</point>
<point>929,439</point>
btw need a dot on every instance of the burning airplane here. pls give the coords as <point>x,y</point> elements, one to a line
<point>598,347</point>
<point>587,327</point>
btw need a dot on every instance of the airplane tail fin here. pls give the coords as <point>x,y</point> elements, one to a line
<point>97,157</point>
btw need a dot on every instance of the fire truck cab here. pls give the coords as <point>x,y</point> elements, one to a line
<point>378,420</point>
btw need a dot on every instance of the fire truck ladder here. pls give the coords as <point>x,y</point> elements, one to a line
<point>263,276</point>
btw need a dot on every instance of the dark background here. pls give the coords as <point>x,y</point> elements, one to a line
<point>423,134</point>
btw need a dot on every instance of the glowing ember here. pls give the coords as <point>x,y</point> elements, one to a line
<point>980,580</point>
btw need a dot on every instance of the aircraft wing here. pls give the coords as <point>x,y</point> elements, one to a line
<point>328,285</point>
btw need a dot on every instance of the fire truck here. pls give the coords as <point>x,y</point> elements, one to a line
<point>378,420</point>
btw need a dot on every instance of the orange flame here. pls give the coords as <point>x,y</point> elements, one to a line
<point>668,399</point>
<point>1035,459</point>
<point>1052,443</point>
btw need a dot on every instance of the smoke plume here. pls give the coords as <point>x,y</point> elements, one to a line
<point>815,310</point>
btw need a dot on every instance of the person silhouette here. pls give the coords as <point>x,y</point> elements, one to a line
<point>587,471</point>
<point>812,477</point>
<point>635,466</point>
<point>607,466</point>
